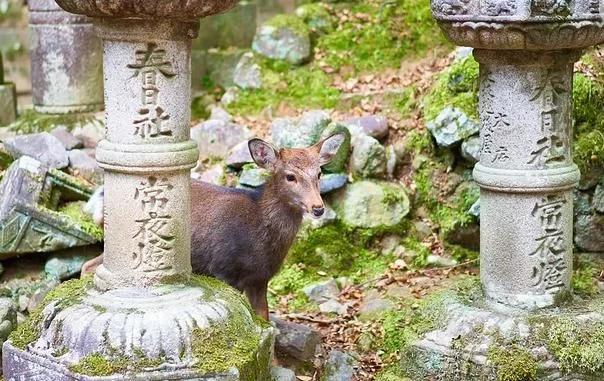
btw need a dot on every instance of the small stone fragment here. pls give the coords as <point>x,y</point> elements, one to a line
<point>470,149</point>
<point>368,157</point>
<point>297,341</point>
<point>43,147</point>
<point>440,261</point>
<point>248,74</point>
<point>333,181</point>
<point>339,366</point>
<point>452,126</point>
<point>216,137</point>
<point>284,37</point>
<point>239,155</point>
<point>282,374</point>
<point>86,166</point>
<point>322,291</point>
<point>333,306</point>
<point>90,134</point>
<point>252,176</point>
<point>66,138</point>
<point>375,126</point>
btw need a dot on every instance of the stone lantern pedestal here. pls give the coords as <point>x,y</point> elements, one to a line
<point>526,50</point>
<point>144,316</point>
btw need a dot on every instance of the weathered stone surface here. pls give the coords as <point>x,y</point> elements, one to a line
<point>339,366</point>
<point>340,160</point>
<point>316,17</point>
<point>215,138</point>
<point>90,134</point>
<point>285,38</point>
<point>43,147</point>
<point>39,293</point>
<point>247,74</point>
<point>368,157</point>
<point>218,113</point>
<point>333,306</point>
<point>375,126</point>
<point>322,291</point>
<point>8,103</point>
<point>8,318</point>
<point>68,263</point>
<point>295,341</point>
<point>213,175</point>
<point>66,60</point>
<point>470,149</point>
<point>333,181</point>
<point>589,232</point>
<point>452,126</point>
<point>373,307</point>
<point>282,374</point>
<point>598,198</point>
<point>369,204</point>
<point>391,161</point>
<point>85,166</point>
<point>440,261</point>
<point>66,138</point>
<point>304,132</point>
<point>239,155</point>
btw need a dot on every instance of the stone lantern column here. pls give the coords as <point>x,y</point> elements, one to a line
<point>526,50</point>
<point>145,310</point>
<point>66,60</point>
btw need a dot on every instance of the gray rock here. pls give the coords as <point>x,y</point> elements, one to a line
<point>295,341</point>
<point>86,166</point>
<point>369,204</point>
<point>440,261</point>
<point>230,95</point>
<point>368,157</point>
<point>462,52</point>
<point>278,40</point>
<point>333,306</point>
<point>452,126</point>
<point>216,137</point>
<point>213,175</point>
<point>333,181</point>
<point>470,149</point>
<point>339,366</point>
<point>247,74</point>
<point>598,199</point>
<point>582,203</point>
<point>65,264</point>
<point>340,159</point>
<point>218,113</point>
<point>389,243</point>
<point>252,176</point>
<point>282,374</point>
<point>589,232</point>
<point>322,291</point>
<point>375,126</point>
<point>43,147</point>
<point>90,134</point>
<point>466,235</point>
<point>475,209</point>
<point>66,138</point>
<point>306,131</point>
<point>8,318</point>
<point>391,161</point>
<point>373,308</point>
<point>239,155</point>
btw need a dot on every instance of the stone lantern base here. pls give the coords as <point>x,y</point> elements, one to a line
<point>477,341</point>
<point>203,330</point>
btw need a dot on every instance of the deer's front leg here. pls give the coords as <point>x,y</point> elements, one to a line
<point>257,298</point>
<point>90,266</point>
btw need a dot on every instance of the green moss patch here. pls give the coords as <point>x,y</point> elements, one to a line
<point>30,121</point>
<point>295,23</point>
<point>74,210</point>
<point>100,365</point>
<point>65,295</point>
<point>512,363</point>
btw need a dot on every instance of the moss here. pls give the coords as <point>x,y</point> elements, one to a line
<point>456,86</point>
<point>391,373</point>
<point>512,362</point>
<point>295,23</point>
<point>378,34</point>
<point>579,347</point>
<point>291,280</point>
<point>584,280</point>
<point>299,87</point>
<point>392,195</point>
<point>317,17</point>
<point>588,101</point>
<point>65,295</point>
<point>30,121</point>
<point>97,364</point>
<point>74,211</point>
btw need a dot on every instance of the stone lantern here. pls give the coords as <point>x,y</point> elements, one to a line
<point>526,50</point>
<point>144,315</point>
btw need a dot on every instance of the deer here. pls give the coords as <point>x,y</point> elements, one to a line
<point>242,236</point>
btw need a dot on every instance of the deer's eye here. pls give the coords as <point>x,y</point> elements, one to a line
<point>291,178</point>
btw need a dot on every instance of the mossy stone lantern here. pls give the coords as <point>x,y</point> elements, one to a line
<point>144,314</point>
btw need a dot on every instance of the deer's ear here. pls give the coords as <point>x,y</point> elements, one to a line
<point>263,153</point>
<point>329,147</point>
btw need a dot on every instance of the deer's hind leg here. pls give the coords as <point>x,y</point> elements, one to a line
<point>257,297</point>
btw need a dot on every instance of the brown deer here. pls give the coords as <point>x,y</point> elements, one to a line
<point>242,236</point>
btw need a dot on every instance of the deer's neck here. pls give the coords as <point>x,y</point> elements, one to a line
<point>281,220</point>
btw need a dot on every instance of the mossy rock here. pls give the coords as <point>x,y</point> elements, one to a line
<point>284,37</point>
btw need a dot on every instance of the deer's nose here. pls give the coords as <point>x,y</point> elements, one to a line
<point>318,211</point>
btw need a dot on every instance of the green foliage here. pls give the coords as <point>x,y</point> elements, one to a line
<point>295,23</point>
<point>584,277</point>
<point>300,87</point>
<point>588,101</point>
<point>456,86</point>
<point>512,362</point>
<point>30,121</point>
<point>74,210</point>
<point>384,34</point>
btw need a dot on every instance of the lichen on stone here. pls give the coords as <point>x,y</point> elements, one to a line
<point>30,121</point>
<point>512,362</point>
<point>74,211</point>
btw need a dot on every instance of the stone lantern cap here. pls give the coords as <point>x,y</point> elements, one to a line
<point>521,24</point>
<point>189,10</point>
